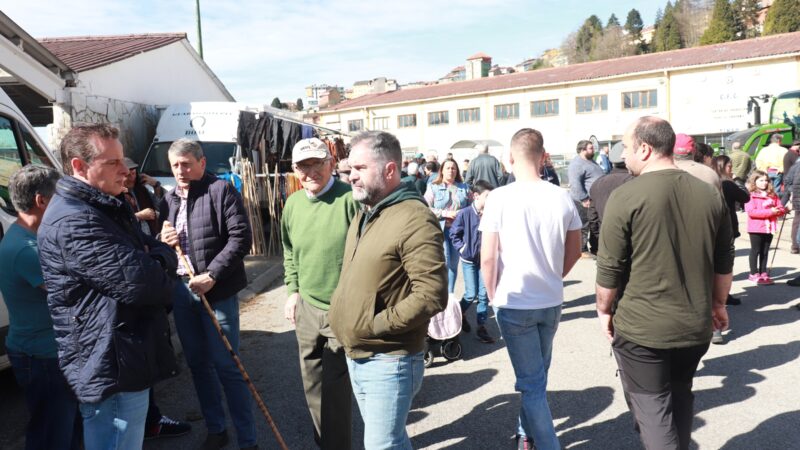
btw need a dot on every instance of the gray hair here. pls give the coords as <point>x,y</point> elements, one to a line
<point>736,145</point>
<point>384,146</point>
<point>483,148</point>
<point>183,147</point>
<point>776,138</point>
<point>79,143</point>
<point>28,181</point>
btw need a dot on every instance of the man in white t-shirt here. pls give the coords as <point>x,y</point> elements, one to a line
<point>531,239</point>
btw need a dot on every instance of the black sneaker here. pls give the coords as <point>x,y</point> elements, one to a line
<point>483,335</point>
<point>465,327</point>
<point>215,441</point>
<point>794,282</point>
<point>167,428</point>
<point>733,300</point>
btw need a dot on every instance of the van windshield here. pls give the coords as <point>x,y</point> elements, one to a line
<point>156,163</point>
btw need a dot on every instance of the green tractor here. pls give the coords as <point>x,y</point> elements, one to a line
<point>784,118</point>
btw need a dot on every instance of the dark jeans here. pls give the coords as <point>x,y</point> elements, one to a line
<point>326,381</point>
<point>658,389</point>
<point>759,250</point>
<point>54,421</point>
<point>588,239</point>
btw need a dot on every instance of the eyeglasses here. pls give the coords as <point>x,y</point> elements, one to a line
<point>307,167</point>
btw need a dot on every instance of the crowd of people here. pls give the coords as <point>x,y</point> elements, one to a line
<point>98,258</point>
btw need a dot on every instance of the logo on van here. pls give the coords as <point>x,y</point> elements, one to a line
<point>197,123</point>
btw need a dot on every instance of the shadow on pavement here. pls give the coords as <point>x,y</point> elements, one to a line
<point>492,423</point>
<point>739,370</point>
<point>780,431</point>
<point>568,310</point>
<point>746,318</point>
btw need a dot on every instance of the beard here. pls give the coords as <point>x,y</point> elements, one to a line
<point>369,195</point>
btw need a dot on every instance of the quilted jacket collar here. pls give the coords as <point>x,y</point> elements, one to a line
<point>71,187</point>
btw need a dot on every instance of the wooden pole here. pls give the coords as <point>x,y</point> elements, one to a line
<point>235,357</point>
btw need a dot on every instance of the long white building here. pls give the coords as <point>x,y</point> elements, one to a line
<point>702,91</point>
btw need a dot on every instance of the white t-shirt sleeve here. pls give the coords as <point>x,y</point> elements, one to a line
<point>574,222</point>
<point>490,219</point>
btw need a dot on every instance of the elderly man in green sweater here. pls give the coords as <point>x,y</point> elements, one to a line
<point>313,230</point>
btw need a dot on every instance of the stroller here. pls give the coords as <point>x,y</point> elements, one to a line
<point>443,332</point>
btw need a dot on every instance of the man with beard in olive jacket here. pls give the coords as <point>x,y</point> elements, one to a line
<point>393,281</point>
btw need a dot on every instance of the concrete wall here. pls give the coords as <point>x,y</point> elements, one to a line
<point>170,74</point>
<point>708,100</point>
<point>136,122</point>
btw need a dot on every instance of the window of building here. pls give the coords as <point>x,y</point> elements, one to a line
<point>544,108</point>
<point>506,112</point>
<point>355,125</point>
<point>380,123</point>
<point>406,121</point>
<point>591,103</point>
<point>639,99</point>
<point>469,115</point>
<point>438,118</point>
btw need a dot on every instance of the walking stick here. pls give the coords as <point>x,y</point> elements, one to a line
<point>777,243</point>
<point>235,357</point>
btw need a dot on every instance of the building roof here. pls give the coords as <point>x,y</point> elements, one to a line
<point>81,53</point>
<point>775,45</point>
<point>479,55</point>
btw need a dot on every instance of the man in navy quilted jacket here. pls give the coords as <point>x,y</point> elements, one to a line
<point>108,288</point>
<point>205,216</point>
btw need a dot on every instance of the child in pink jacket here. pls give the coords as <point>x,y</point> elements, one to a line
<point>763,210</point>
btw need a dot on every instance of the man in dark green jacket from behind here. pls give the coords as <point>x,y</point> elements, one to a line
<point>393,281</point>
<point>313,229</point>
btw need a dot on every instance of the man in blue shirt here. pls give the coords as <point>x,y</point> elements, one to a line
<point>31,341</point>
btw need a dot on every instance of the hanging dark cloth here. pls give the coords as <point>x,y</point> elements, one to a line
<point>247,129</point>
<point>308,132</point>
<point>263,131</point>
<point>292,133</point>
<point>276,137</point>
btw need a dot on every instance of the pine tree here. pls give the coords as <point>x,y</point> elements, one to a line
<point>300,104</point>
<point>276,103</point>
<point>783,17</point>
<point>634,26</point>
<point>747,12</point>
<point>588,33</point>
<point>612,21</point>
<point>723,26</point>
<point>634,23</point>
<point>667,35</point>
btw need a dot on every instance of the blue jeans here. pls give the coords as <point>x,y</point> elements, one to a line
<point>451,261</point>
<point>384,386</point>
<point>116,423</point>
<point>211,363</point>
<point>474,288</point>
<point>52,407</point>
<point>529,341</point>
<point>776,179</point>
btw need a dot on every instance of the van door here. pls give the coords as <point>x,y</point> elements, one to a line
<point>18,147</point>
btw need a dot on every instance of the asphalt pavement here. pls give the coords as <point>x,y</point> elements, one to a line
<point>745,390</point>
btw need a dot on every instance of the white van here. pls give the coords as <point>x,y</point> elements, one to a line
<point>214,124</point>
<point>19,146</point>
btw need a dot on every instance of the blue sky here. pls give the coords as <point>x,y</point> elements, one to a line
<point>264,49</point>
